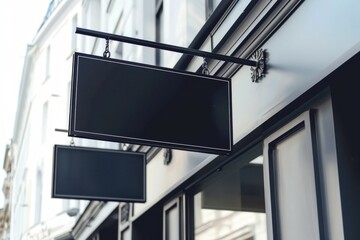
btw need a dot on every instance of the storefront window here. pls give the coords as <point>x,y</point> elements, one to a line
<point>172,220</point>
<point>231,205</point>
<point>177,23</point>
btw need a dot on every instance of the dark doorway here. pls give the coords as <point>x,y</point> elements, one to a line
<point>346,100</point>
<point>149,225</point>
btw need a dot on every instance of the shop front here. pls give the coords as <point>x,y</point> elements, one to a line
<point>292,170</point>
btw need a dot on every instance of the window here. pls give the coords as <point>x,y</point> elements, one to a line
<point>65,204</point>
<point>177,23</point>
<point>119,46</point>
<point>159,30</point>
<point>172,220</point>
<point>125,234</point>
<point>67,102</point>
<point>211,6</point>
<point>231,204</point>
<point>91,20</point>
<point>45,115</point>
<point>119,50</point>
<point>124,226</point>
<point>38,196</point>
<point>233,18</point>
<point>47,67</point>
<point>290,165</point>
<point>73,35</point>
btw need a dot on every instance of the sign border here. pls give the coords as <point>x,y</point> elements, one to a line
<point>99,198</point>
<point>72,131</point>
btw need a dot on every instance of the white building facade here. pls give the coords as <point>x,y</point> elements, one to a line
<point>293,171</point>
<point>41,109</point>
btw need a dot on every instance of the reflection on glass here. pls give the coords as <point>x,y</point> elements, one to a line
<point>211,6</point>
<point>177,23</point>
<point>125,234</point>
<point>172,223</point>
<point>232,206</point>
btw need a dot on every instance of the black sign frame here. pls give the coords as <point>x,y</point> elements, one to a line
<point>221,146</point>
<point>112,160</point>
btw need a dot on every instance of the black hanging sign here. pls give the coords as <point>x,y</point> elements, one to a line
<point>98,174</point>
<point>121,101</point>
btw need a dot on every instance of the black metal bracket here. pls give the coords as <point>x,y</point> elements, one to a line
<point>257,65</point>
<point>167,156</point>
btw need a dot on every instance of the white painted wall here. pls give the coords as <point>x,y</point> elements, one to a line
<point>34,213</point>
<point>314,41</point>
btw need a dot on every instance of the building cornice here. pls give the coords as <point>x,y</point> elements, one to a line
<point>55,18</point>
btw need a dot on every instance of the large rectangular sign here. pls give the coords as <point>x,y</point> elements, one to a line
<point>115,100</point>
<point>98,174</point>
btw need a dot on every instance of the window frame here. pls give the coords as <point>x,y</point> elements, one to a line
<point>177,204</point>
<point>239,158</point>
<point>253,27</point>
<point>305,122</point>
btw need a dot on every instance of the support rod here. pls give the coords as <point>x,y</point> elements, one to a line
<point>61,130</point>
<point>163,46</point>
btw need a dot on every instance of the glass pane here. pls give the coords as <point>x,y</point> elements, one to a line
<point>172,223</point>
<point>177,23</point>
<point>294,184</point>
<point>125,234</point>
<point>212,5</point>
<point>232,205</point>
<point>160,35</point>
<point>235,14</point>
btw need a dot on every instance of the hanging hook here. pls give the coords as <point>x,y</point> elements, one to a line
<point>107,53</point>
<point>204,66</point>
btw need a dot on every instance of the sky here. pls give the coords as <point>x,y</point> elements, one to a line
<point>19,22</point>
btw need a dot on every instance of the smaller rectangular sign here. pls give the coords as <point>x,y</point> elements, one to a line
<point>98,174</point>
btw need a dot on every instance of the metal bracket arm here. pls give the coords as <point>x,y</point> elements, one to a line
<point>163,46</point>
<point>257,65</point>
